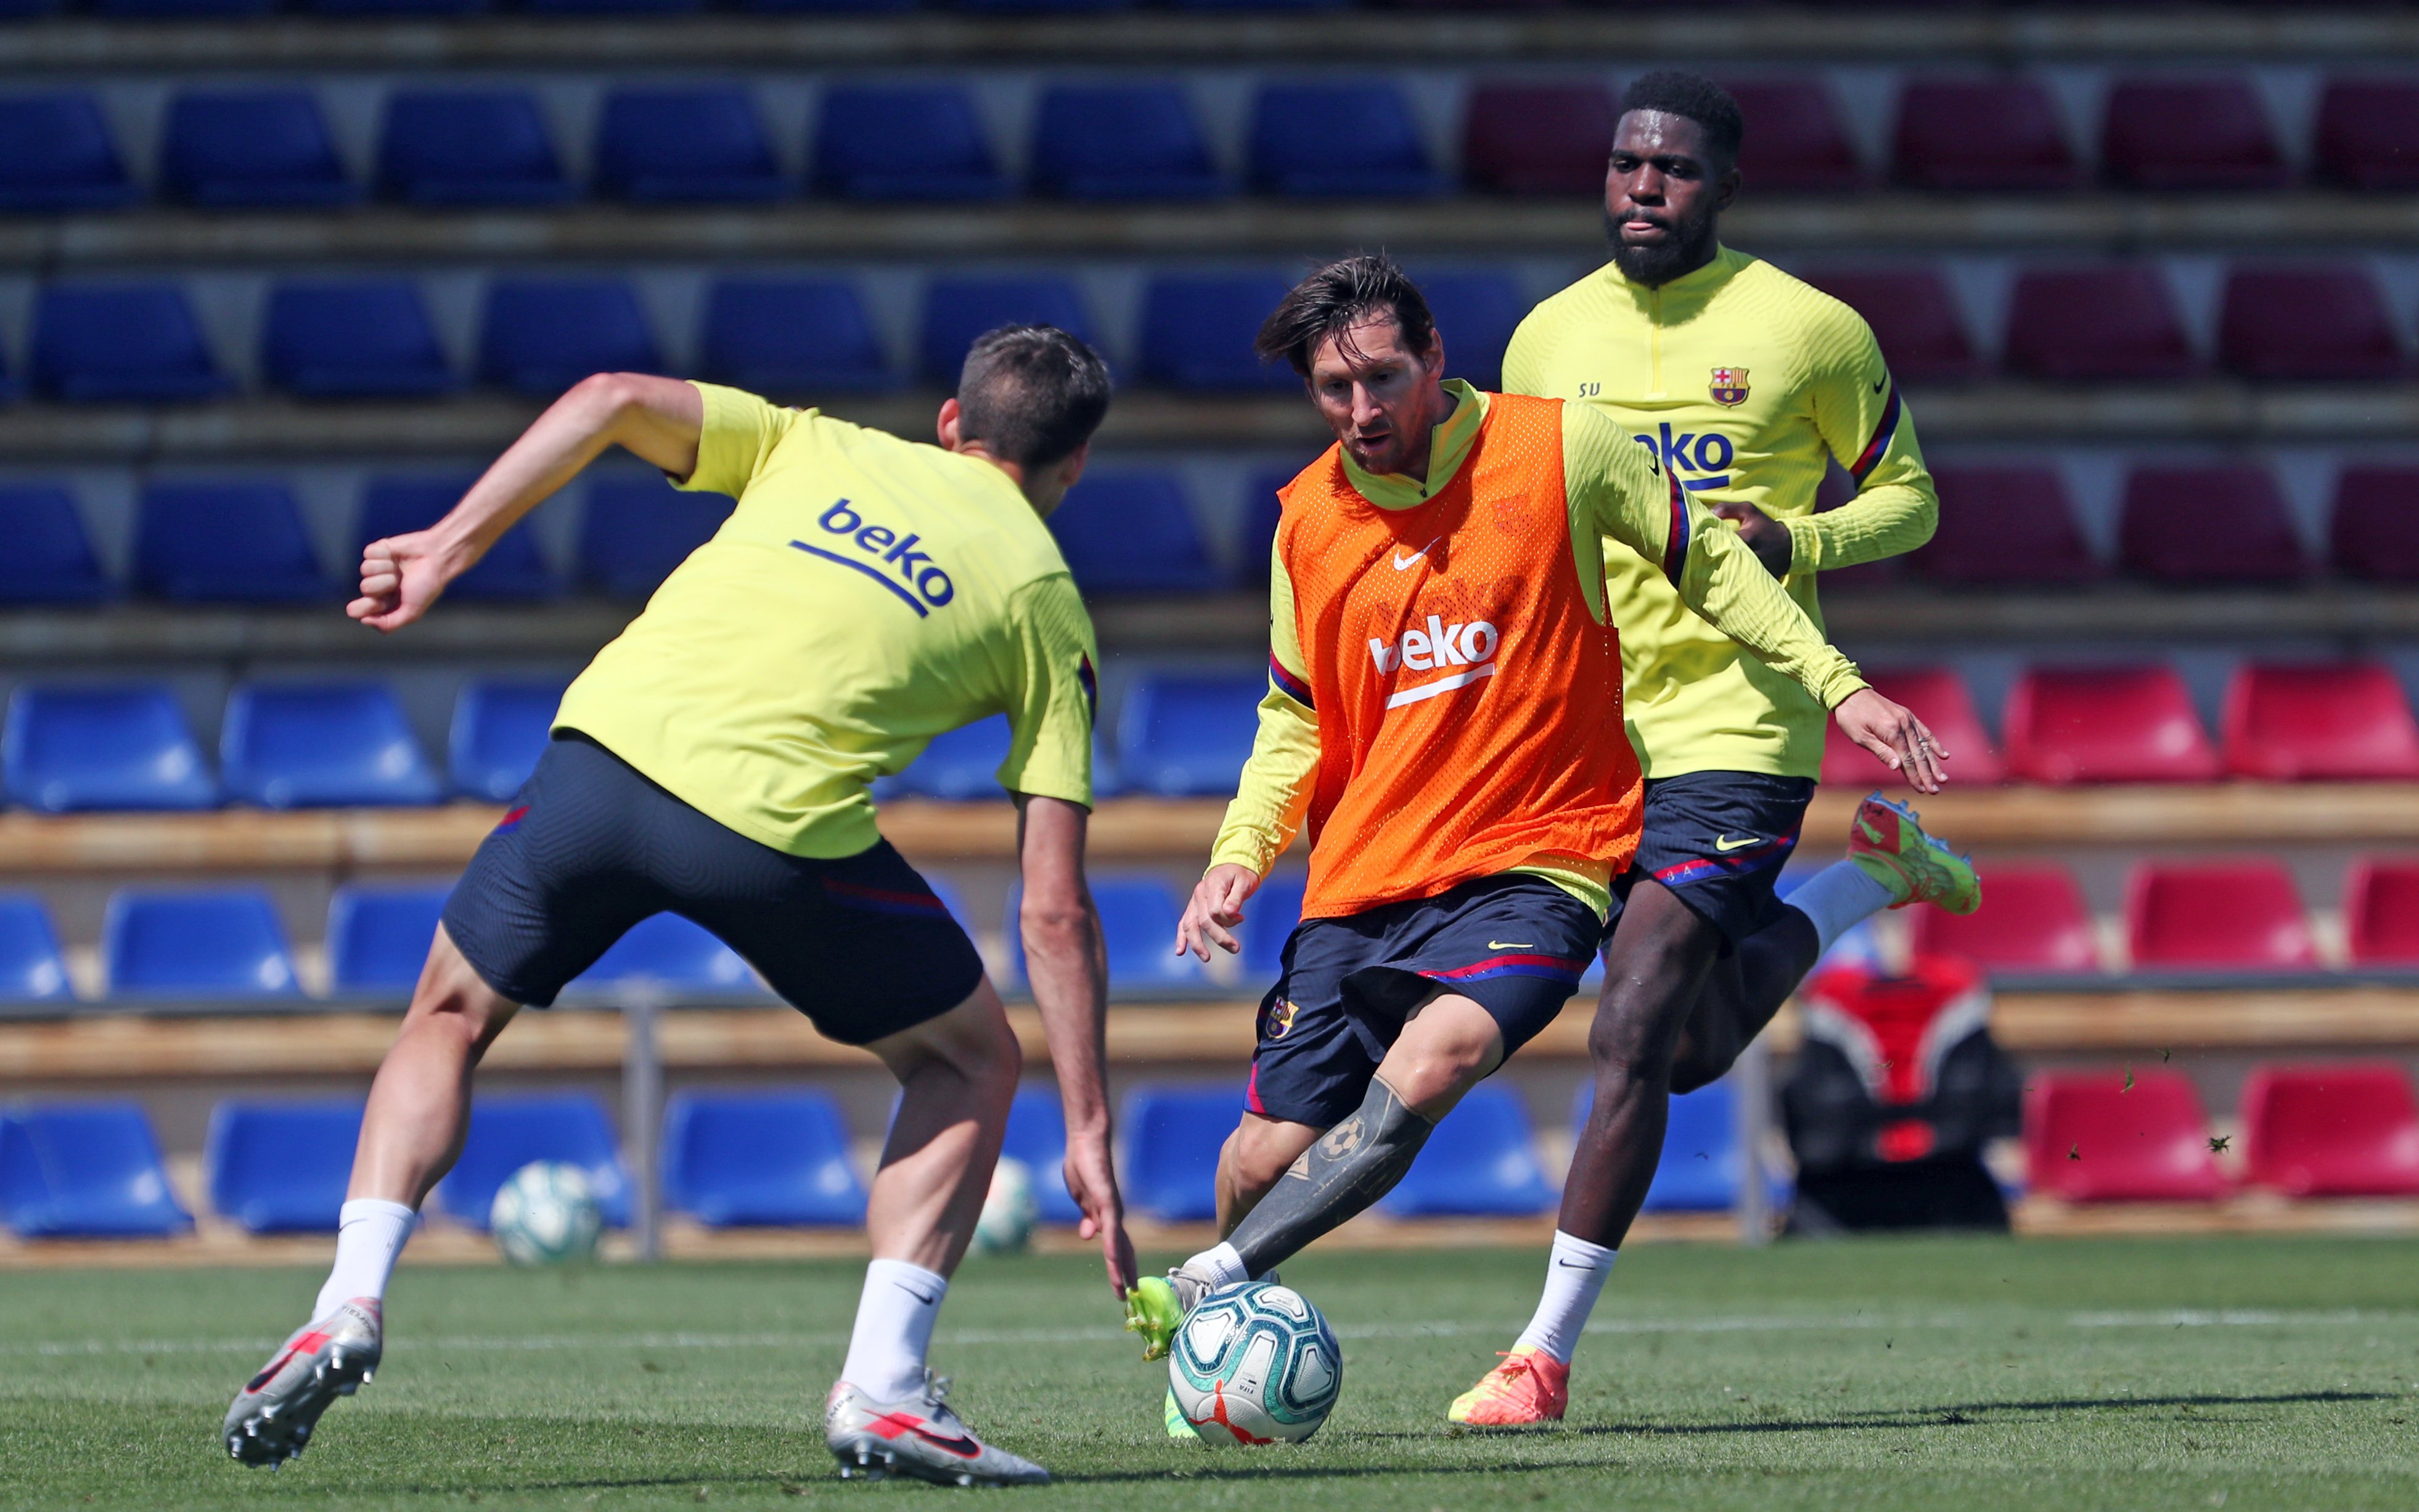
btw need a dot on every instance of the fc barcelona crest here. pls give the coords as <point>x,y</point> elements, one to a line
<point>1730,386</point>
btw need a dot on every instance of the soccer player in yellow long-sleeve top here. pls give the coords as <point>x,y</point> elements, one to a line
<point>1747,385</point>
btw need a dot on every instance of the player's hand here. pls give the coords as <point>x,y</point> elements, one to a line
<point>1767,537</point>
<point>1216,908</point>
<point>1895,736</point>
<point>401,577</point>
<point>1092,1181</point>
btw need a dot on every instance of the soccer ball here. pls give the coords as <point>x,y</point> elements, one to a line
<point>545,1214</point>
<point>1006,1224</point>
<point>1254,1364</point>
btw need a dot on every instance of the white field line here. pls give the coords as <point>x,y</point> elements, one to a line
<point>1777,1323</point>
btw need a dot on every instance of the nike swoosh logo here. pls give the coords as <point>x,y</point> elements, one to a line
<point>1877,384</point>
<point>1405,563</point>
<point>964,1447</point>
<point>1723,842</point>
<point>1501,945</point>
<point>913,1292</point>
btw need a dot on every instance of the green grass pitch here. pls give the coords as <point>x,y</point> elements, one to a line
<point>1969,1374</point>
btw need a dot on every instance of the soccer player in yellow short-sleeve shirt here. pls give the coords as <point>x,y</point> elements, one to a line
<point>1749,386</point>
<point>866,594</point>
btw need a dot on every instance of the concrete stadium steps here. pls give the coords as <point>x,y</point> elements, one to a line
<point>2149,33</point>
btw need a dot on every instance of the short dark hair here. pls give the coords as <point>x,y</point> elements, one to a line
<point>1696,97</point>
<point>1338,296</point>
<point>1031,394</point>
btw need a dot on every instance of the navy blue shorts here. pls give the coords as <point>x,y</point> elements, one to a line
<point>591,847</point>
<point>1719,840</point>
<point>1516,945</point>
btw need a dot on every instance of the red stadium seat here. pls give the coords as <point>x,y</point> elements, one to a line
<point>2338,721</point>
<point>2004,526</point>
<point>1794,143</point>
<point>2217,915</point>
<point>1538,139</point>
<point>2103,1137</point>
<point>2375,530</point>
<point>2224,524</point>
<point>2326,322</point>
<point>2343,1131</point>
<point>2190,134</point>
<point>2097,324</point>
<point>1982,134</point>
<point>2380,910</point>
<point>2368,133</point>
<point>2117,724</point>
<point>1938,696</point>
<point>1914,316</point>
<point>2033,918</point>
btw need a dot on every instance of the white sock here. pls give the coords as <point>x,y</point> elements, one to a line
<point>1221,1264</point>
<point>1838,899</point>
<point>369,1238</point>
<point>894,1329</point>
<point>1573,1278</point>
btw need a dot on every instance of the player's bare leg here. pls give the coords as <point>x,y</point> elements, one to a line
<point>1742,991</point>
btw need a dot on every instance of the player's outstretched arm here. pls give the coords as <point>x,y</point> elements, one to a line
<point>658,418</point>
<point>1066,967</point>
<point>1216,908</point>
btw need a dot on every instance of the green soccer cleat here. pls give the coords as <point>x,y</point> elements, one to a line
<point>1178,1425</point>
<point>1887,843</point>
<point>1155,1310</point>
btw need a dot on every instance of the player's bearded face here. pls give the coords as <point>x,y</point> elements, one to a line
<point>1375,394</point>
<point>1660,197</point>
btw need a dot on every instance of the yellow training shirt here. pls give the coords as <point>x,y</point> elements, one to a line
<point>1748,384</point>
<point>866,594</point>
<point>1613,495</point>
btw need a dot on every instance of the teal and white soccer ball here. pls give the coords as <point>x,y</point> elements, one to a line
<point>1008,1211</point>
<point>1254,1364</point>
<point>545,1214</point>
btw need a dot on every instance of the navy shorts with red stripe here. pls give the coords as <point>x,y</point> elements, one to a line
<point>861,945</point>
<point>1719,840</point>
<point>1516,945</point>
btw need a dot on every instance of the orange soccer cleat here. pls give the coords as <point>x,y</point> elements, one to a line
<point>1530,1387</point>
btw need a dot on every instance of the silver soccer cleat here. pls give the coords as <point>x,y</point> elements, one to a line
<point>918,1436</point>
<point>272,1419</point>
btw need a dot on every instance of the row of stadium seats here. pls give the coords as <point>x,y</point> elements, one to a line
<point>1141,141</point>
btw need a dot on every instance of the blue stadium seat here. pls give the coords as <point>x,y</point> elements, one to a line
<point>1338,138</point>
<point>1270,917</point>
<point>672,951</point>
<point>123,747</point>
<point>322,745</point>
<point>1261,512</point>
<point>501,727</point>
<point>84,1170</point>
<point>210,942</point>
<point>792,336</point>
<point>1133,532</point>
<point>1173,1136</point>
<point>465,146</point>
<point>399,7</point>
<point>1037,1134</point>
<point>282,1167</point>
<point>1477,312</point>
<point>705,144</point>
<point>960,763</point>
<point>611,7</point>
<point>1480,1162</point>
<point>957,310</point>
<point>732,1160</point>
<point>1702,1166</point>
<point>357,338</point>
<point>542,336</point>
<point>33,970</point>
<point>512,571</point>
<point>1197,331</point>
<point>904,142</point>
<point>49,557</point>
<point>509,1131</point>
<point>225,543</point>
<point>1116,142</point>
<point>21,9</point>
<point>379,938</point>
<point>120,343</point>
<point>180,9</point>
<point>57,154</point>
<point>828,7</point>
<point>252,148</point>
<point>1185,735</point>
<point>1139,915</point>
<point>636,531</point>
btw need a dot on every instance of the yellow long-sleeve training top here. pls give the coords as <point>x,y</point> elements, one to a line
<point>1748,384</point>
<point>1611,498</point>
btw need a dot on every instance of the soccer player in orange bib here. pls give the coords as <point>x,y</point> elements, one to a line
<point>1444,712</point>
